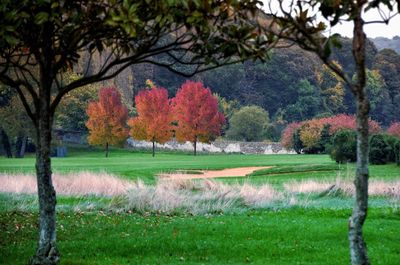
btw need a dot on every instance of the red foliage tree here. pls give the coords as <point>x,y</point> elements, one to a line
<point>107,119</point>
<point>196,112</point>
<point>287,134</point>
<point>154,119</point>
<point>394,129</point>
<point>310,130</point>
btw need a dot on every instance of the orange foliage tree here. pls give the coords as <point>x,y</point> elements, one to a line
<point>107,119</point>
<point>196,112</point>
<point>154,120</point>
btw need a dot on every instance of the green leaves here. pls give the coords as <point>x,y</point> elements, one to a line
<point>41,18</point>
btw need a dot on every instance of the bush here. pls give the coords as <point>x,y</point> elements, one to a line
<point>380,151</point>
<point>344,146</point>
<point>297,144</point>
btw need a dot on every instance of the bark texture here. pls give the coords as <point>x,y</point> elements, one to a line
<point>47,252</point>
<point>358,248</point>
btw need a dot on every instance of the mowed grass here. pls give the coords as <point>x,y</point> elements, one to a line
<point>134,165</point>
<point>291,236</point>
<point>140,165</point>
<point>315,233</point>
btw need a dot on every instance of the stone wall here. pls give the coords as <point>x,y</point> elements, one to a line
<point>218,146</point>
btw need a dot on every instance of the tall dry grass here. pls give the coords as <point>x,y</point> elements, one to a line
<point>190,196</point>
<point>195,197</point>
<point>346,187</point>
<point>80,183</point>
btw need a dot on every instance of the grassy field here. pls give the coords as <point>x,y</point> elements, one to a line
<point>312,231</point>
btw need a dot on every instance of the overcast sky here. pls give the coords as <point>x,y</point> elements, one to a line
<point>372,30</point>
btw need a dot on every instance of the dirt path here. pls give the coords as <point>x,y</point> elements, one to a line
<point>228,172</point>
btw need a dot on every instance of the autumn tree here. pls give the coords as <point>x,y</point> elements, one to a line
<point>298,22</point>
<point>195,110</point>
<point>394,129</point>
<point>154,120</point>
<point>40,40</point>
<point>107,119</point>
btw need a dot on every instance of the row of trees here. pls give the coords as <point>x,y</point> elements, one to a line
<point>192,115</point>
<point>336,136</point>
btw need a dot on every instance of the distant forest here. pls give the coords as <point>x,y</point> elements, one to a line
<point>294,85</point>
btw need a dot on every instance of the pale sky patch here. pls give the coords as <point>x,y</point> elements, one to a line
<point>372,30</point>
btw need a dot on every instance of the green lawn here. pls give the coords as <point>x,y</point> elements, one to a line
<point>134,165</point>
<point>291,236</point>
<point>315,233</point>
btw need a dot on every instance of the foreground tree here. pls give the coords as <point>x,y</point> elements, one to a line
<point>196,112</point>
<point>40,40</point>
<point>154,120</point>
<point>107,119</point>
<point>296,22</point>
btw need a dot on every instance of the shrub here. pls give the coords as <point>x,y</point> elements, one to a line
<point>380,151</point>
<point>297,143</point>
<point>344,146</point>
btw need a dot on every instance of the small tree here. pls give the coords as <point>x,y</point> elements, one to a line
<point>107,119</point>
<point>196,112</point>
<point>248,123</point>
<point>154,120</point>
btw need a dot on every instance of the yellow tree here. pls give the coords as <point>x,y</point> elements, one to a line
<point>107,119</point>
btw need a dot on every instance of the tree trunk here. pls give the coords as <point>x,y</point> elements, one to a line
<point>18,145</point>
<point>195,146</point>
<point>358,248</point>
<point>6,143</point>
<point>107,149</point>
<point>153,148</point>
<point>23,147</point>
<point>47,252</point>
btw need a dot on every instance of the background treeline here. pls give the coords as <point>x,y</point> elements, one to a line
<point>294,85</point>
<point>258,99</point>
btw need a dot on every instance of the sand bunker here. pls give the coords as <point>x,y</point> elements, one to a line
<point>205,174</point>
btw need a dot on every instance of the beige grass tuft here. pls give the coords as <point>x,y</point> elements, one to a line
<point>80,183</point>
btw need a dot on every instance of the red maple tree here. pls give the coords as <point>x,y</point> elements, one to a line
<point>196,113</point>
<point>394,129</point>
<point>154,120</point>
<point>107,119</point>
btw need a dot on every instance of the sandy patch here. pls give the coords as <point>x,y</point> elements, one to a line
<point>228,172</point>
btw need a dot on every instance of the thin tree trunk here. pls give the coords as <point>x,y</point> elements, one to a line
<point>18,145</point>
<point>358,248</point>
<point>6,143</point>
<point>153,148</point>
<point>195,146</point>
<point>47,252</point>
<point>107,149</point>
<point>23,147</point>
